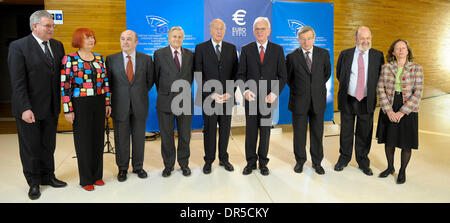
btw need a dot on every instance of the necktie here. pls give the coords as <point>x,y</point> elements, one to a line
<point>177,62</point>
<point>130,72</point>
<point>308,61</point>
<point>361,78</point>
<point>48,54</point>
<point>218,52</point>
<point>261,54</point>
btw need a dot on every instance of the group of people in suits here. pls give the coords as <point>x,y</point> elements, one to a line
<point>92,88</point>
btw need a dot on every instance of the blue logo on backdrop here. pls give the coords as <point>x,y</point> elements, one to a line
<point>238,17</point>
<point>159,25</point>
<point>295,25</point>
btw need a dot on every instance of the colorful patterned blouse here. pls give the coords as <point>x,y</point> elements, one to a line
<point>80,78</point>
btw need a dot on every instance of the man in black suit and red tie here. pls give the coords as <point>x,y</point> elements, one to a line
<point>262,67</point>
<point>308,70</point>
<point>217,60</point>
<point>358,70</point>
<point>34,65</point>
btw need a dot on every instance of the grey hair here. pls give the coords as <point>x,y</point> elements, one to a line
<point>259,19</point>
<point>305,29</point>
<point>210,24</point>
<point>35,18</point>
<point>175,28</point>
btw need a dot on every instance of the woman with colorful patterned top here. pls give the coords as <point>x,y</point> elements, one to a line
<point>86,102</point>
<point>399,89</point>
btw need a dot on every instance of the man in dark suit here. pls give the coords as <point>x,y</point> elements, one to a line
<point>217,60</point>
<point>34,65</point>
<point>174,67</point>
<point>262,66</point>
<point>308,70</point>
<point>357,70</point>
<point>131,77</point>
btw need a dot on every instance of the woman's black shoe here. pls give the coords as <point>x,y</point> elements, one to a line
<point>386,173</point>
<point>401,178</point>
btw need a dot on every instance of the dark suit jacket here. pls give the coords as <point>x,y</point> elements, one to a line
<point>35,84</point>
<point>344,69</point>
<point>212,69</point>
<point>123,92</point>
<point>306,86</point>
<point>166,73</point>
<point>272,68</point>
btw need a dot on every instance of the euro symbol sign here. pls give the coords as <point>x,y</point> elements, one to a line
<point>238,17</point>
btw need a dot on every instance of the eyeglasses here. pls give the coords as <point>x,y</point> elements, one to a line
<point>48,26</point>
<point>260,29</point>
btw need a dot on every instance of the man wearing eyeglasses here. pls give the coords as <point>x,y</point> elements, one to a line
<point>262,67</point>
<point>34,65</point>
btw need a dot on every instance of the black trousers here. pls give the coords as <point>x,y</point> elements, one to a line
<point>299,124</point>
<point>89,136</point>
<point>167,127</point>
<point>253,124</point>
<point>37,143</point>
<point>363,132</point>
<point>122,131</point>
<point>210,135</point>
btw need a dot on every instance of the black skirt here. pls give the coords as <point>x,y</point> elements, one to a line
<point>405,134</point>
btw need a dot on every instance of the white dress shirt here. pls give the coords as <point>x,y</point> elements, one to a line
<point>179,54</point>
<point>214,45</point>
<point>310,53</point>
<point>264,46</point>
<point>133,60</point>
<point>42,45</point>
<point>354,73</point>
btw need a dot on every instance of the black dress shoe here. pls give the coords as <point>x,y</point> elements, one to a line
<point>207,168</point>
<point>298,168</point>
<point>319,169</point>
<point>141,173</point>
<point>53,182</point>
<point>122,176</point>
<point>386,173</point>
<point>401,178</point>
<point>34,192</point>
<point>367,171</point>
<point>227,165</point>
<point>264,170</point>
<point>340,166</point>
<point>186,171</point>
<point>248,169</point>
<point>167,171</point>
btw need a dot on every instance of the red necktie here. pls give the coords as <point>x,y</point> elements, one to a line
<point>361,78</point>
<point>130,72</point>
<point>261,54</point>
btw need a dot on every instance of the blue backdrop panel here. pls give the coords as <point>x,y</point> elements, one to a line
<point>288,18</point>
<point>238,16</point>
<point>151,20</point>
